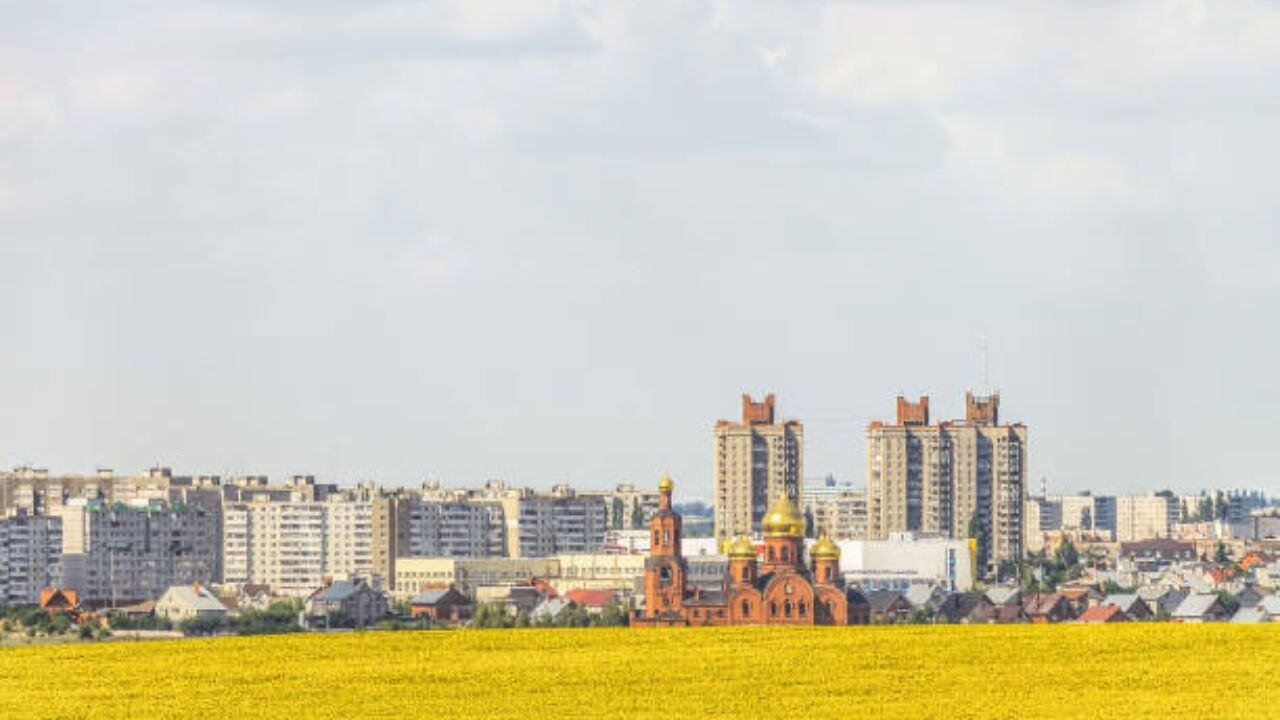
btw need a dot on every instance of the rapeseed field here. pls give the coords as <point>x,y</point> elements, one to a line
<point>1013,671</point>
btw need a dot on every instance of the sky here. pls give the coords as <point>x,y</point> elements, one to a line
<point>555,242</point>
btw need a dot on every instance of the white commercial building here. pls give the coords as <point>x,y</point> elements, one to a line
<point>906,559</point>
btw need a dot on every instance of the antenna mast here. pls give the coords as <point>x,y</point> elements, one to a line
<point>982,366</point>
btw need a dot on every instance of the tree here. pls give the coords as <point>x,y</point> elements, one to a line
<point>618,509</point>
<point>1220,553</point>
<point>60,623</point>
<point>1228,601</point>
<point>201,625</point>
<point>613,615</point>
<point>1066,555</point>
<point>491,615</point>
<point>86,631</point>
<point>573,615</point>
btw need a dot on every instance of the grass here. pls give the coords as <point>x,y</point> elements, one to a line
<point>1135,670</point>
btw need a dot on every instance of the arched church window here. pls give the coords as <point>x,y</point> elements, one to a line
<point>666,537</point>
<point>746,608</point>
<point>665,575</point>
<point>803,608</point>
<point>655,537</point>
<point>773,609</point>
<point>786,555</point>
<point>826,573</point>
<point>770,553</point>
<point>786,608</point>
<point>746,573</point>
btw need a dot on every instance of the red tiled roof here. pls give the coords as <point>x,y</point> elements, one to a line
<point>1102,613</point>
<point>590,598</point>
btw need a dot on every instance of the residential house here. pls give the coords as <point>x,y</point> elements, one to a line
<point>888,606</point>
<point>352,603</point>
<point>1271,606</point>
<point>56,600</point>
<point>965,608</point>
<point>594,601</point>
<point>441,605</point>
<point>1131,605</point>
<point>1255,558</point>
<point>1200,608</point>
<point>1048,608</point>
<point>1004,595</point>
<point>1103,614</point>
<point>1081,596</point>
<point>1254,614</point>
<point>1157,552</point>
<point>182,602</point>
<point>1249,595</point>
<point>925,597</point>
<point>1162,600</point>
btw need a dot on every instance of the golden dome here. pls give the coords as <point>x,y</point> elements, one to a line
<point>741,549</point>
<point>824,549</point>
<point>666,484</point>
<point>783,519</point>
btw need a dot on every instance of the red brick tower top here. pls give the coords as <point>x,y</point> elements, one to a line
<point>757,413</point>
<point>913,413</point>
<point>979,410</point>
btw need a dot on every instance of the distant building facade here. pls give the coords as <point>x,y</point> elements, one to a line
<point>30,557</point>
<point>292,537</point>
<point>1142,517</point>
<point>838,509</point>
<point>955,479</point>
<point>120,552</point>
<point>755,461</point>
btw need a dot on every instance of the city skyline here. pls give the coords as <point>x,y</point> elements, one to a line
<point>554,243</point>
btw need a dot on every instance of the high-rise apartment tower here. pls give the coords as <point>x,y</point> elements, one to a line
<point>755,462</point>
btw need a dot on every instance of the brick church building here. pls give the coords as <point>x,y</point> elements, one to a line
<point>775,587</point>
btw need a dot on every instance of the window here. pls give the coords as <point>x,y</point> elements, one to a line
<point>773,609</point>
<point>826,573</point>
<point>786,608</point>
<point>746,573</point>
<point>786,554</point>
<point>666,537</point>
<point>803,608</point>
<point>770,553</point>
<point>746,608</point>
<point>665,575</point>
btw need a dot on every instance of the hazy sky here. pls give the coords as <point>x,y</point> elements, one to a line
<point>555,242</point>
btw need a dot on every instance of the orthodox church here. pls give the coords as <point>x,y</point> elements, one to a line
<point>773,587</point>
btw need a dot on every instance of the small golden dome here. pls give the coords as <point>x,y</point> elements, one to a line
<point>825,549</point>
<point>666,484</point>
<point>783,519</point>
<point>741,549</point>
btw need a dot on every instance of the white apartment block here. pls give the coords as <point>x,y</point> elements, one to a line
<point>30,557</point>
<point>1143,517</point>
<point>292,541</point>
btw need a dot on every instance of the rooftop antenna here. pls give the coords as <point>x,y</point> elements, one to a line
<point>982,366</point>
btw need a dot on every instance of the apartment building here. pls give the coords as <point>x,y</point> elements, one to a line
<point>540,524</point>
<point>755,461</point>
<point>116,553</point>
<point>838,509</point>
<point>626,507</point>
<point>955,479</point>
<point>1143,517</point>
<point>447,523</point>
<point>1080,514</point>
<point>35,491</point>
<point>30,556</point>
<point>293,536</point>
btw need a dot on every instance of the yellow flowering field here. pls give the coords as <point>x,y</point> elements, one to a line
<point>1130,671</point>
